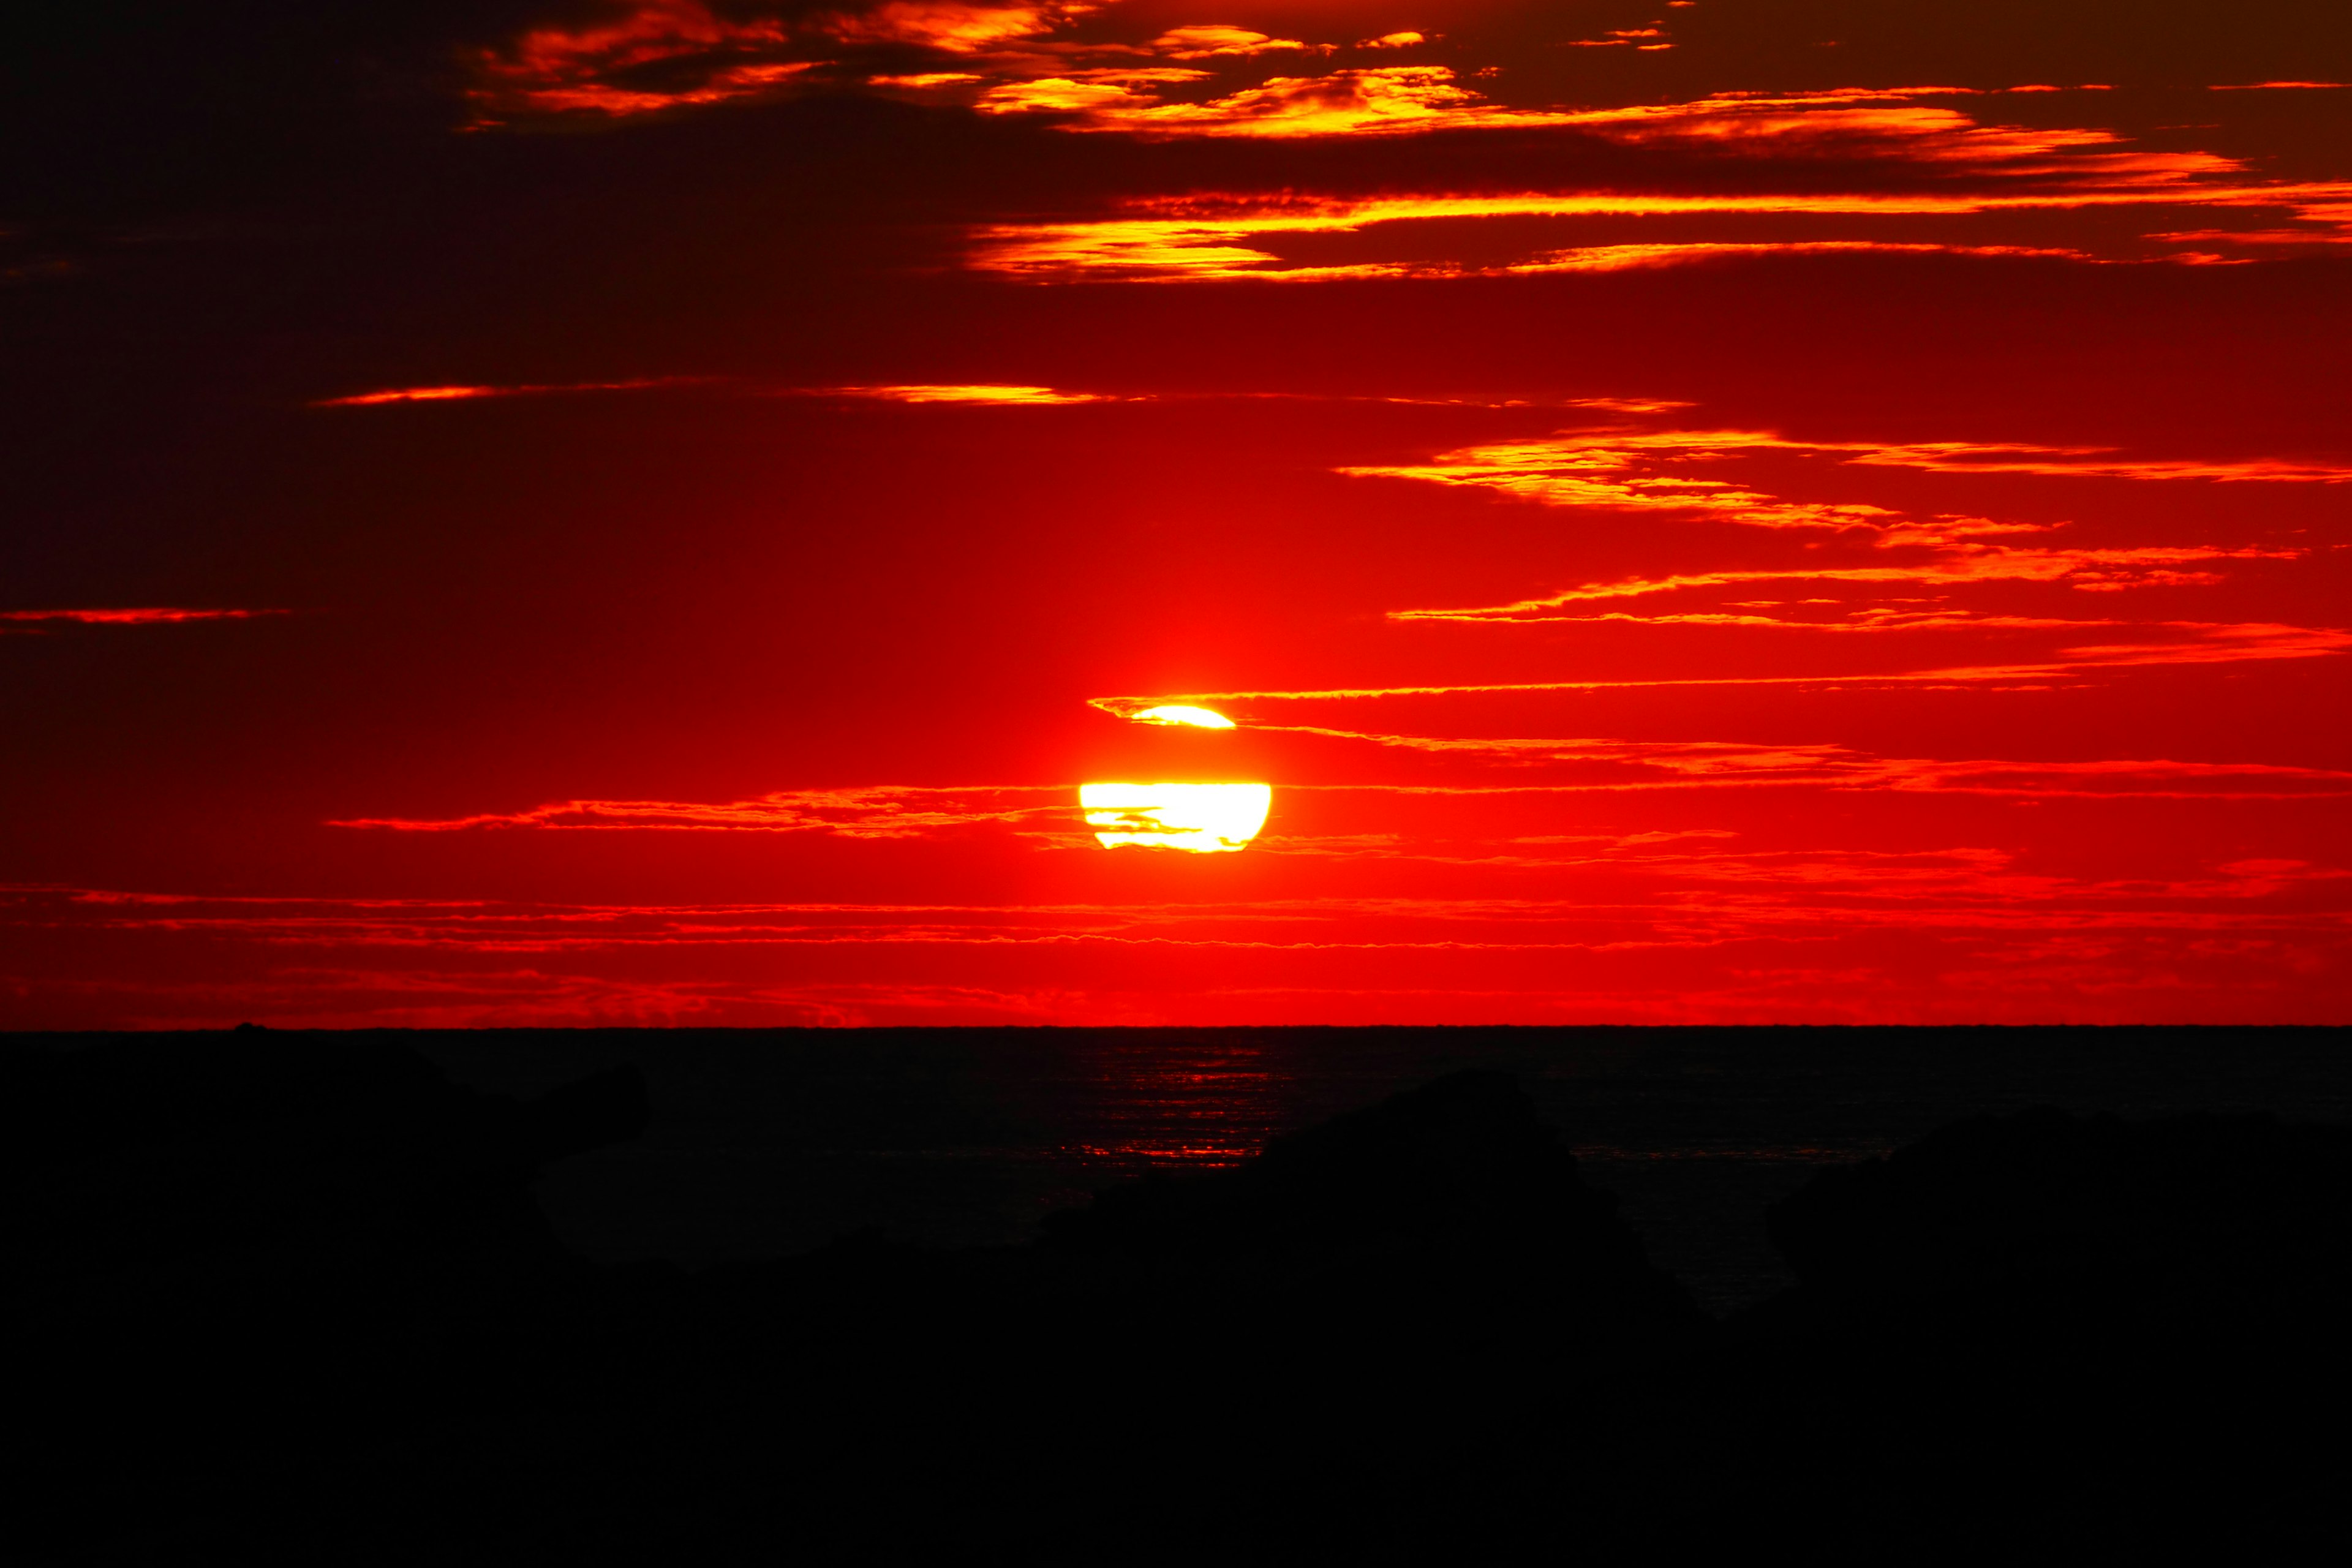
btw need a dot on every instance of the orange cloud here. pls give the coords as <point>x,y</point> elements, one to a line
<point>1987,563</point>
<point>1630,404</point>
<point>704,55</point>
<point>420,394</point>
<point>1203,237</point>
<point>1623,37</point>
<point>2089,462</point>
<point>1373,99</point>
<point>947,25</point>
<point>1847,122</point>
<point>2009,169</point>
<point>1632,892</point>
<point>1668,470</point>
<point>1201,43</point>
<point>1654,926</point>
<point>879,811</point>
<point>1627,257</point>
<point>1630,468</point>
<point>1010,395</point>
<point>2215,644</point>
<point>456,393</point>
<point>1619,764</point>
<point>1085,91</point>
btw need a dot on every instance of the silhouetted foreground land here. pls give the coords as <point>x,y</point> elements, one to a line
<point>287,1304</point>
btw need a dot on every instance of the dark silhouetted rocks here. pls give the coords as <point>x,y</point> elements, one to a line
<point>2109,1336</point>
<point>282,1303</point>
<point>238,1260</point>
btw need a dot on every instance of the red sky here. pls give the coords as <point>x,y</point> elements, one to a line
<point>1741,512</point>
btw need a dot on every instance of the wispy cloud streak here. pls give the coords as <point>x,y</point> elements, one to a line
<point>133,617</point>
<point>2220,645</point>
<point>1008,396</point>
<point>461,393</point>
<point>887,811</point>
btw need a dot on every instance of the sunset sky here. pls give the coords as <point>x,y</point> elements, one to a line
<point>1698,511</point>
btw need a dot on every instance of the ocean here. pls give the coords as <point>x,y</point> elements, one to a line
<point>775,1140</point>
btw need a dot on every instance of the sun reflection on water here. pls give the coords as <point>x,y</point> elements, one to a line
<point>1202,819</point>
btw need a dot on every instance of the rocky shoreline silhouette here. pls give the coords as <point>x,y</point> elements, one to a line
<point>278,1303</point>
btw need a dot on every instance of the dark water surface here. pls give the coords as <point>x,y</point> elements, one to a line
<point>775,1140</point>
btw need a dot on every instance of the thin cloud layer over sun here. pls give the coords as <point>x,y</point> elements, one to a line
<point>781,512</point>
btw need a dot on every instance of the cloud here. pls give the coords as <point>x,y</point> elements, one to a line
<point>1585,764</point>
<point>463,392</point>
<point>136,618</point>
<point>1377,99</point>
<point>1675,472</point>
<point>2096,569</point>
<point>654,56</point>
<point>1631,470</point>
<point>1023,397</point>
<point>981,392</point>
<point>2214,643</point>
<point>1201,43</point>
<point>1659,919</point>
<point>587,69</point>
<point>1622,765</point>
<point>1208,237</point>
<point>1055,95</point>
<point>1886,125</point>
<point>1652,889</point>
<point>1158,251</point>
<point>1630,257</point>
<point>1647,38</point>
<point>1876,165</point>
<point>2079,462</point>
<point>878,812</point>
<point>1649,469</point>
<point>947,25</point>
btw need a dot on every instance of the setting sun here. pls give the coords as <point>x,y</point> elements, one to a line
<point>1203,818</point>
<point>787,449</point>
<point>1178,714</point>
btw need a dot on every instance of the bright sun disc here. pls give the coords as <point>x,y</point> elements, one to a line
<point>1177,713</point>
<point>1202,819</point>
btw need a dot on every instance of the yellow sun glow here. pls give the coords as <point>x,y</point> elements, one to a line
<point>1201,818</point>
<point>1177,713</point>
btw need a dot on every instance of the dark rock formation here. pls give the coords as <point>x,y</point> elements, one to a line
<point>2108,1336</point>
<point>2217,1215</point>
<point>285,1304</point>
<point>239,1261</point>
